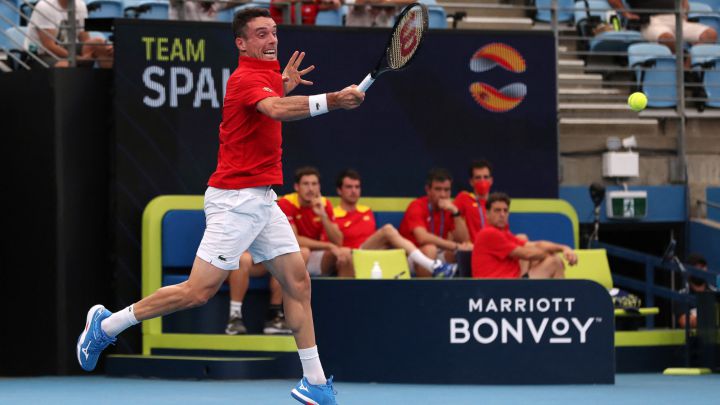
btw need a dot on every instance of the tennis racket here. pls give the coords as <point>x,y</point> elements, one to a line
<point>407,35</point>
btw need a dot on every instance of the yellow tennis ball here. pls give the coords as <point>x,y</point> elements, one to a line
<point>637,101</point>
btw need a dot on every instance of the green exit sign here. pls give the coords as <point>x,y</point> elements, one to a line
<point>627,204</point>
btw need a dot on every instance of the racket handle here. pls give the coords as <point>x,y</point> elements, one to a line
<point>366,83</point>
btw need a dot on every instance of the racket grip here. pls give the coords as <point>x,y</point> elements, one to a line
<point>366,83</point>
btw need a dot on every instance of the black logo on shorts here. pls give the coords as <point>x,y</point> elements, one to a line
<point>221,257</point>
<point>317,106</point>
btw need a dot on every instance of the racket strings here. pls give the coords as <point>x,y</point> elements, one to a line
<point>406,38</point>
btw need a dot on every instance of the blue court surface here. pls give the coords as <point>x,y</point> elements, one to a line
<point>628,389</point>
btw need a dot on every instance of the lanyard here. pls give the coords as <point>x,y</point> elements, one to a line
<point>481,212</point>
<point>432,221</point>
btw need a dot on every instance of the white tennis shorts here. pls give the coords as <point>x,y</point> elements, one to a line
<point>242,220</point>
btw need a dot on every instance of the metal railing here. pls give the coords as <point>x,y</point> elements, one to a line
<point>645,283</point>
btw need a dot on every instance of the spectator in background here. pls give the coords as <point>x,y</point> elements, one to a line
<point>660,27</point>
<point>500,254</point>
<point>239,281</point>
<point>312,219</point>
<point>434,223</point>
<point>472,204</point>
<point>49,26</point>
<point>196,10</point>
<point>374,13</point>
<point>309,10</point>
<point>357,223</point>
<point>697,285</point>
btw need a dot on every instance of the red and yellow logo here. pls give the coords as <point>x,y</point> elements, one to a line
<point>487,96</point>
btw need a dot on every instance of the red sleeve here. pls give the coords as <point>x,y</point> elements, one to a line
<point>288,209</point>
<point>495,243</point>
<point>329,210</point>
<point>415,217</point>
<point>461,201</point>
<point>450,220</point>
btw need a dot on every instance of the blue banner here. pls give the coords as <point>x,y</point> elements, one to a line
<point>465,331</point>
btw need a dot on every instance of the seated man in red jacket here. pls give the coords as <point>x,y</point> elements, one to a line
<point>357,223</point>
<point>497,253</point>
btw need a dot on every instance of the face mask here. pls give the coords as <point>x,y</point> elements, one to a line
<point>482,187</point>
<point>698,282</point>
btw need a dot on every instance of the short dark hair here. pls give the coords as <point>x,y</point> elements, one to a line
<point>438,174</point>
<point>495,197</point>
<point>349,173</point>
<point>243,17</point>
<point>696,259</point>
<point>306,171</point>
<point>480,164</point>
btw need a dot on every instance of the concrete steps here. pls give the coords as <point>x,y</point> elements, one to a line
<point>603,127</point>
<point>579,80</point>
<point>496,23</point>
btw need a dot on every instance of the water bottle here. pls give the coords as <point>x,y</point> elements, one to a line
<point>376,272</point>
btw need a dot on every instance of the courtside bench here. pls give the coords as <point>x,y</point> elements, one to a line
<point>173,226</point>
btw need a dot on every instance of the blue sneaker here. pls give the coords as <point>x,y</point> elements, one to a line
<point>93,340</point>
<point>444,270</point>
<point>309,394</point>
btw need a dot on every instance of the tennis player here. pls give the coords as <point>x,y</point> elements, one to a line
<point>240,209</point>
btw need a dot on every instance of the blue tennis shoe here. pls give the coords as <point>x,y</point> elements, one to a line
<point>308,394</point>
<point>444,270</point>
<point>93,340</point>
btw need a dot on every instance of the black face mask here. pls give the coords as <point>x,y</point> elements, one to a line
<point>697,282</point>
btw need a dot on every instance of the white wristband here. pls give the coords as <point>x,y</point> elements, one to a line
<point>318,104</point>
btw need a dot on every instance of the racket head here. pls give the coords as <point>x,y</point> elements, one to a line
<point>405,40</point>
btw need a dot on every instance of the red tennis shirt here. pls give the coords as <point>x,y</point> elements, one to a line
<point>250,153</point>
<point>473,212</point>
<point>308,224</point>
<point>356,226</point>
<point>440,223</point>
<point>491,254</point>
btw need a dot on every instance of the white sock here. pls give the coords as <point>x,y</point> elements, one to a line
<point>312,369</point>
<point>236,309</point>
<point>419,258</point>
<point>119,321</point>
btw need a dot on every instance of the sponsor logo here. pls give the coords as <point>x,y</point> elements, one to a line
<point>303,387</point>
<point>487,96</point>
<point>520,321</point>
<point>223,258</point>
<point>268,89</point>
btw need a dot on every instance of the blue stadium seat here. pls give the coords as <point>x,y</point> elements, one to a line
<point>655,73</point>
<point>437,18</point>
<point>105,8</point>
<point>714,4</point>
<point>147,9</point>
<point>8,18</point>
<point>609,41</point>
<point>228,14</point>
<point>564,12</point>
<point>334,18</point>
<point>704,14</point>
<point>705,60</point>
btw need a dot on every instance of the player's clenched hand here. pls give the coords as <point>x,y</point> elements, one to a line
<point>318,207</point>
<point>348,98</point>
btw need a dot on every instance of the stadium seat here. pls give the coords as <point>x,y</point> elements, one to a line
<point>592,265</point>
<point>105,8</point>
<point>609,41</point>
<point>714,4</point>
<point>437,18</point>
<point>655,73</point>
<point>14,38</point>
<point>393,262</point>
<point>334,18</point>
<point>564,12</point>
<point>227,15</point>
<point>704,14</point>
<point>147,9</point>
<point>704,60</point>
<point>8,18</point>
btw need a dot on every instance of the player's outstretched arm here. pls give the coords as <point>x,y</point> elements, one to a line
<point>299,107</point>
